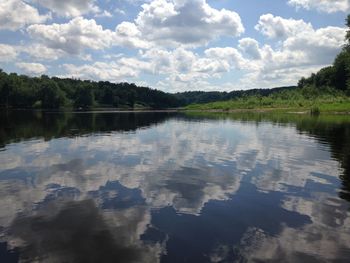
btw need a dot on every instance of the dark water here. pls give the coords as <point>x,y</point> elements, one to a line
<point>168,187</point>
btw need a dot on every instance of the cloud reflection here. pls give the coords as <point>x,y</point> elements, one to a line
<point>79,232</point>
<point>183,165</point>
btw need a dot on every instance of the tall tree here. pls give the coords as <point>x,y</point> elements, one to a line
<point>84,98</point>
<point>51,96</point>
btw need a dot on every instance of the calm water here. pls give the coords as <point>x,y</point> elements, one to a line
<point>168,187</point>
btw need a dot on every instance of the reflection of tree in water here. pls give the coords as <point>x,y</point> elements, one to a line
<point>20,125</point>
<point>79,232</point>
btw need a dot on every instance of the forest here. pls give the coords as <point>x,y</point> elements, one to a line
<point>20,91</point>
<point>331,85</point>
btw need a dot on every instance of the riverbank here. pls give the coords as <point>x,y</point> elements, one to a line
<point>316,105</point>
<point>314,111</point>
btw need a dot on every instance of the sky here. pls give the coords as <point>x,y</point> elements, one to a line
<point>173,45</point>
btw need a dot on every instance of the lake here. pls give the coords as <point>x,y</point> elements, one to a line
<point>174,187</point>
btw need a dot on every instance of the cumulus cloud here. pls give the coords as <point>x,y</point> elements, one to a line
<point>128,35</point>
<point>186,70</point>
<point>74,36</point>
<point>327,6</point>
<point>278,27</point>
<point>191,23</point>
<point>320,46</point>
<point>32,68</point>
<point>15,14</point>
<point>250,47</point>
<point>7,53</point>
<point>301,43</point>
<point>41,52</point>
<point>70,8</point>
<point>231,55</point>
<point>80,33</point>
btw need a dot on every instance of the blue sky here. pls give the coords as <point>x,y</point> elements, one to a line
<point>173,45</point>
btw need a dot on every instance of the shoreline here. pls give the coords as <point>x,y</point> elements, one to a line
<point>273,110</point>
<point>301,111</point>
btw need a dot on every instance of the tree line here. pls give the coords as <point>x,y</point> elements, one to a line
<point>20,91</point>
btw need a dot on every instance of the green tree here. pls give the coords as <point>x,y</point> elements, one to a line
<point>342,70</point>
<point>325,77</point>
<point>50,95</point>
<point>84,97</point>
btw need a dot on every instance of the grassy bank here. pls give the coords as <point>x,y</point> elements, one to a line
<point>305,99</point>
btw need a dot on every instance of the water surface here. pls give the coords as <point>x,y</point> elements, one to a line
<point>171,187</point>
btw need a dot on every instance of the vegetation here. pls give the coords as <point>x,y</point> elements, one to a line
<point>19,91</point>
<point>299,99</point>
<point>199,97</point>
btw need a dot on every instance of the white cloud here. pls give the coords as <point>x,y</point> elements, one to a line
<point>161,60</point>
<point>231,55</point>
<point>7,53</point>
<point>191,23</point>
<point>41,52</point>
<point>186,70</point>
<point>327,6</point>
<point>320,46</point>
<point>32,68</point>
<point>301,50</point>
<point>250,47</point>
<point>127,34</point>
<point>74,36</point>
<point>70,8</point>
<point>278,27</point>
<point>301,44</point>
<point>80,34</point>
<point>15,14</point>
